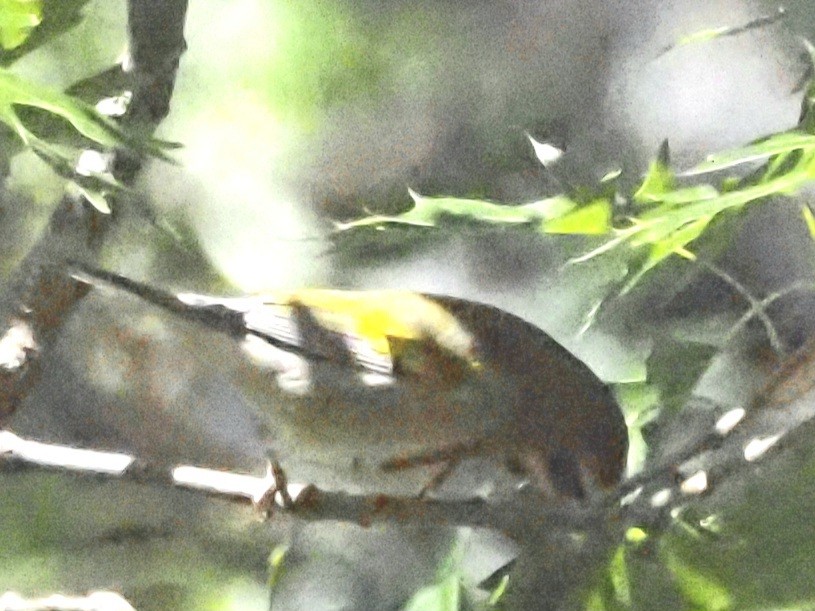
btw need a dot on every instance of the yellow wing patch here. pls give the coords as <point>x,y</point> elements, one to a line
<point>374,316</point>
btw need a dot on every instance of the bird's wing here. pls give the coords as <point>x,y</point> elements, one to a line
<point>380,331</point>
<point>375,326</point>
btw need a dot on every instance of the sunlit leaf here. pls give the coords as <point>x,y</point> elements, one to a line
<point>277,565</point>
<point>659,179</point>
<point>593,219</point>
<point>18,18</point>
<point>688,195</point>
<point>641,403</point>
<point>84,118</point>
<point>699,590</point>
<point>666,217</point>
<point>620,237</point>
<point>618,572</point>
<point>442,596</point>
<point>809,219</point>
<point>498,592</point>
<point>430,211</point>
<point>774,145</point>
<point>613,591</point>
<point>17,95</point>
<point>58,17</point>
<point>96,198</point>
<point>636,535</point>
<point>551,208</point>
<point>674,243</point>
<point>703,35</point>
<point>445,594</point>
<point>612,174</point>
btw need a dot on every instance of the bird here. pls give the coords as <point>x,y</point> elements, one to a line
<point>393,381</point>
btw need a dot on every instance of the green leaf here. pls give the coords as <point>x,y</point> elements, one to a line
<point>675,366</point>
<point>611,175</point>
<point>674,242</point>
<point>670,227</point>
<point>17,94</point>
<point>806,121</point>
<point>689,195</point>
<point>698,589</point>
<point>430,211</point>
<point>703,35</point>
<point>777,144</point>
<point>809,219</point>
<point>659,179</point>
<point>447,592</point>
<point>18,18</point>
<point>620,237</point>
<point>668,218</point>
<point>58,17</point>
<point>709,34</point>
<point>618,573</point>
<point>641,403</point>
<point>442,596</point>
<point>635,534</point>
<point>277,565</point>
<point>592,219</point>
<point>614,589</point>
<point>96,198</point>
<point>83,117</point>
<point>498,592</point>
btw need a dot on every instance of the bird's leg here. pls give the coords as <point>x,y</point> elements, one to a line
<point>439,478</point>
<point>266,503</point>
<point>448,456</point>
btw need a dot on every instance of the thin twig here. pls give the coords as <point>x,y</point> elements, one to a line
<point>802,285</point>
<point>756,308</point>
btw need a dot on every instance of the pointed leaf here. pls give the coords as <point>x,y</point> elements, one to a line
<point>442,596</point>
<point>84,118</point>
<point>593,219</point>
<point>430,212</point>
<point>701,591</point>
<point>774,145</point>
<point>659,179</point>
<point>674,243</point>
<point>708,34</point>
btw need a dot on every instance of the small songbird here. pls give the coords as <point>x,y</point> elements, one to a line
<point>395,381</point>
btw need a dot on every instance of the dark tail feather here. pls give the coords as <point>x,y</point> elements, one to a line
<point>215,316</point>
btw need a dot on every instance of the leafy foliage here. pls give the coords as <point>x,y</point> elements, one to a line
<point>18,18</point>
<point>58,127</point>
<point>15,92</point>
<point>644,570</point>
<point>709,34</point>
<point>26,25</point>
<point>52,106</point>
<point>662,217</point>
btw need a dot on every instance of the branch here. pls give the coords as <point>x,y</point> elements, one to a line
<point>38,299</point>
<point>782,416</point>
<point>757,308</point>
<point>514,516</point>
<point>100,600</point>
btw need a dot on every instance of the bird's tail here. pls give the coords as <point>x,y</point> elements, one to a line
<point>207,312</point>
